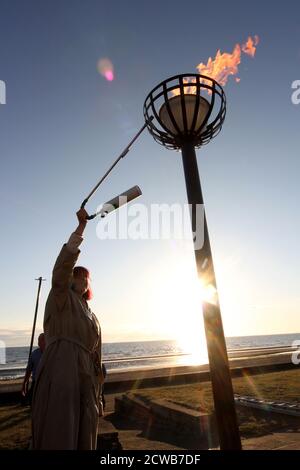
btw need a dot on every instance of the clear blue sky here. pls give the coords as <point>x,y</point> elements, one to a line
<point>64,124</point>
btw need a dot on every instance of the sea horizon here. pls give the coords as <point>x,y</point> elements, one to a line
<point>138,354</point>
<point>164,339</point>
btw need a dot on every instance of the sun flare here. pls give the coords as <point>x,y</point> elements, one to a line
<point>178,307</point>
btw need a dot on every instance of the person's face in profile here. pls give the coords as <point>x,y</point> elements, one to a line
<point>81,283</point>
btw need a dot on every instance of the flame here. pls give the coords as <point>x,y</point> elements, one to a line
<point>250,46</point>
<point>222,66</point>
<point>226,64</point>
<point>106,69</point>
<point>188,90</point>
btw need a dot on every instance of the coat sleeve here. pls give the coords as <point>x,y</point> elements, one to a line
<point>64,265</point>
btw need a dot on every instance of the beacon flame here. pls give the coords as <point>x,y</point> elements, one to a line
<point>250,46</point>
<point>226,64</point>
<point>223,65</point>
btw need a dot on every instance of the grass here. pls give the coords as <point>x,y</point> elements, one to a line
<point>15,427</point>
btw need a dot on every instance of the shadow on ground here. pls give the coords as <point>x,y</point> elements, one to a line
<point>155,435</point>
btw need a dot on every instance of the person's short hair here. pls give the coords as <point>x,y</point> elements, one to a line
<point>77,271</point>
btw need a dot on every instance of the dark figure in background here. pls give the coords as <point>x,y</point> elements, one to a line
<point>32,369</point>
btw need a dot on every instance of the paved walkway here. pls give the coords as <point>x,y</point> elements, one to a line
<point>276,441</point>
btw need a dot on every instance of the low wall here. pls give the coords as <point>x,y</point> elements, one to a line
<point>176,423</point>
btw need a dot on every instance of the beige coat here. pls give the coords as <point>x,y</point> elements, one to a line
<point>67,395</point>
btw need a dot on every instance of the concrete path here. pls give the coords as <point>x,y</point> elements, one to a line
<point>276,441</point>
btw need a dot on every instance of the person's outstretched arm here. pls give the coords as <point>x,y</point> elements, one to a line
<point>63,268</point>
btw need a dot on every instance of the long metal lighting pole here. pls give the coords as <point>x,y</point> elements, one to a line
<point>40,279</point>
<point>228,430</point>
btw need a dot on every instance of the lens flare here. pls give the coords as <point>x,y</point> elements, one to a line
<point>106,69</point>
<point>208,292</point>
